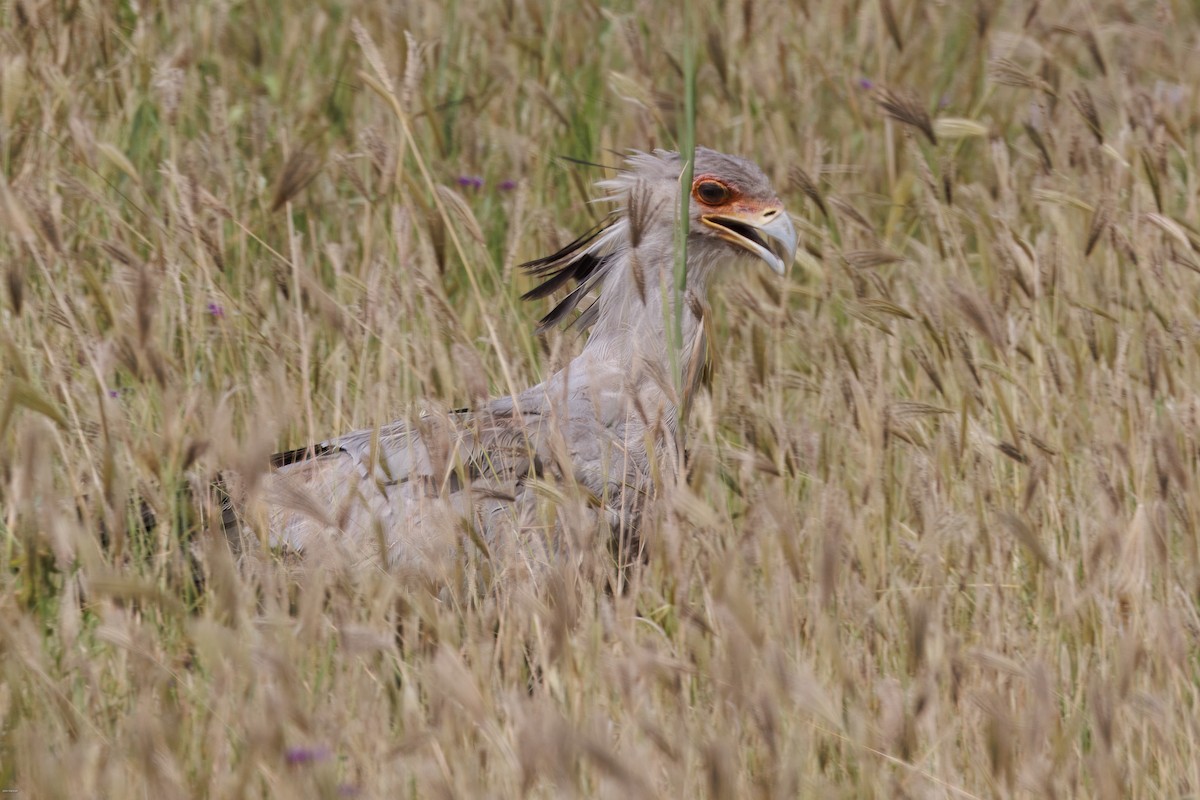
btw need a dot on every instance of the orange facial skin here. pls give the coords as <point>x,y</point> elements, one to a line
<point>706,189</point>
<point>743,221</point>
<point>712,192</point>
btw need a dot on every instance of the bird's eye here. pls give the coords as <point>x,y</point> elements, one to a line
<point>712,193</point>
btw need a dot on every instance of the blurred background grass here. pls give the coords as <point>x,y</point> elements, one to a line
<point>940,539</point>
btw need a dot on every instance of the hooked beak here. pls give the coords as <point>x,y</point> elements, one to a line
<point>768,234</point>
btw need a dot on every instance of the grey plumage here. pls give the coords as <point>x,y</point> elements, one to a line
<point>421,493</point>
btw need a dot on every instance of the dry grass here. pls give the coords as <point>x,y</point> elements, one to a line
<point>942,534</point>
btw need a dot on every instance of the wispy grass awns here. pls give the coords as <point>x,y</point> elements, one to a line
<point>940,535</point>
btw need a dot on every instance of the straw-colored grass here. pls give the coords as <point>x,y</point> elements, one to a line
<point>941,534</point>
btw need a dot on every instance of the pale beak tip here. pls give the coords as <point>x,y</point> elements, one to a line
<point>781,242</point>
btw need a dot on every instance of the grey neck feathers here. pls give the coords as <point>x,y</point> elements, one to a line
<point>636,311</point>
<point>633,323</point>
<point>631,262</point>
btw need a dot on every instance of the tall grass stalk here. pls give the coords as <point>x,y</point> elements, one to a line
<point>687,151</point>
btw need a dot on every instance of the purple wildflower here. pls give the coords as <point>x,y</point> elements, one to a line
<point>298,756</point>
<point>114,393</point>
<point>508,185</point>
<point>945,101</point>
<point>216,310</point>
<point>866,84</point>
<point>470,181</point>
<point>346,790</point>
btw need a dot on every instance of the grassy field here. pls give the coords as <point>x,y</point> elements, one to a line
<point>942,539</point>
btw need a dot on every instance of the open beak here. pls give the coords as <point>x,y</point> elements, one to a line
<point>768,234</point>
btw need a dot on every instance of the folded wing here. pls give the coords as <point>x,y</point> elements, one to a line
<point>417,494</point>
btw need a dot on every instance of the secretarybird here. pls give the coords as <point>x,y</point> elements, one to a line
<point>423,494</point>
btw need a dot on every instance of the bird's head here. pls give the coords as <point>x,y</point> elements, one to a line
<point>734,216</point>
<point>733,208</point>
<point>732,200</point>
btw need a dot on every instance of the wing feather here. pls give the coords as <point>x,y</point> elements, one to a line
<point>585,261</point>
<point>409,487</point>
